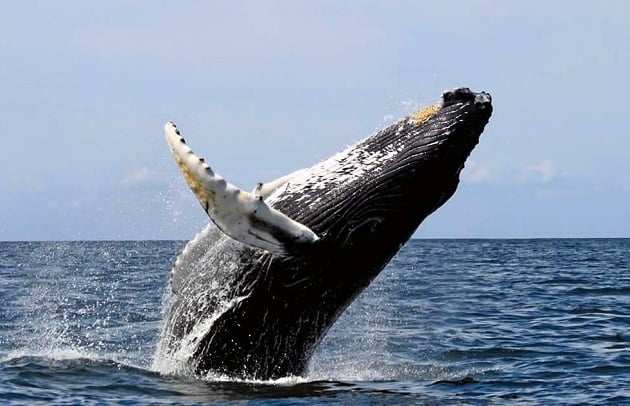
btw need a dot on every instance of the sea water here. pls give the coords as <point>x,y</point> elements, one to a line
<point>447,322</point>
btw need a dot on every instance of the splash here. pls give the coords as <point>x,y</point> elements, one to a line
<point>172,355</point>
<point>173,361</point>
<point>55,354</point>
<point>71,301</point>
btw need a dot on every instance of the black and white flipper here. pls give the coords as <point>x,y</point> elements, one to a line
<point>243,216</point>
<point>266,189</point>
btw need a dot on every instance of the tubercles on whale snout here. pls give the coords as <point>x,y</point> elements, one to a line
<point>461,95</point>
<point>465,95</point>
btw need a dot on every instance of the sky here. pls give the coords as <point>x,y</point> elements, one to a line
<point>264,88</point>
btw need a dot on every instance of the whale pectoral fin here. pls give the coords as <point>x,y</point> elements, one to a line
<point>272,225</point>
<point>240,215</point>
<point>266,189</point>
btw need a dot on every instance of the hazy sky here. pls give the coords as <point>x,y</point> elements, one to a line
<point>264,88</point>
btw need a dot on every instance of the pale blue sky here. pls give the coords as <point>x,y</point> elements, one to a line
<point>264,88</point>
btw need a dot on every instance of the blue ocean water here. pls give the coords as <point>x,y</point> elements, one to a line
<point>447,322</point>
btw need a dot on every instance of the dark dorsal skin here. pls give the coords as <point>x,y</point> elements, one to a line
<point>242,312</point>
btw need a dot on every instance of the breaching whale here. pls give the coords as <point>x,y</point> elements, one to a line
<point>253,297</point>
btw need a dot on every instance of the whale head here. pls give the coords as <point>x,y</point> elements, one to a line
<point>366,201</point>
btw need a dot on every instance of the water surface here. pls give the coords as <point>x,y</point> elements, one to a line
<point>447,322</point>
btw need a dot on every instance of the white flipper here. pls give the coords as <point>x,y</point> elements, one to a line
<point>266,189</point>
<point>243,216</point>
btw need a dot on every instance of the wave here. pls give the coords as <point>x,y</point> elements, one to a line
<point>68,375</point>
<point>330,371</point>
<point>64,358</point>
<point>601,291</point>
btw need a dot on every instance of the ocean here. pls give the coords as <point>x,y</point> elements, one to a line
<point>447,322</point>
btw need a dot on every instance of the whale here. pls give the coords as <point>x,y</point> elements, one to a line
<point>253,294</point>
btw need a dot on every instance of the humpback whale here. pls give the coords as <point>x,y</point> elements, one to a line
<point>254,293</point>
